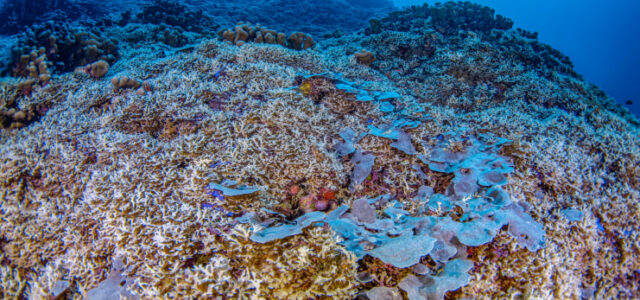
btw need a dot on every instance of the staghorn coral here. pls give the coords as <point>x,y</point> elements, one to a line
<point>300,268</point>
<point>102,194</point>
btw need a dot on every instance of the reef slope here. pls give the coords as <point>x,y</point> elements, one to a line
<point>104,184</point>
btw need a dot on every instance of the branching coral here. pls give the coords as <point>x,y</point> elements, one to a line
<point>106,175</point>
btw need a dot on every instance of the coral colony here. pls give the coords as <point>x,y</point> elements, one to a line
<point>428,153</point>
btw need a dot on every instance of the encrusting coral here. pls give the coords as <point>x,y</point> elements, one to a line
<point>104,186</point>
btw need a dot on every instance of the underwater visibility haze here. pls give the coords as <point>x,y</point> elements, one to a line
<point>601,38</point>
<point>279,149</point>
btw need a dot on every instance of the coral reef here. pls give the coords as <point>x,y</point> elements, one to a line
<point>427,25</point>
<point>124,82</point>
<point>172,14</point>
<point>17,14</point>
<point>33,73</point>
<point>365,57</point>
<point>312,17</point>
<point>446,18</point>
<point>455,71</point>
<point>33,66</point>
<point>96,70</point>
<point>25,101</point>
<point>10,117</point>
<point>136,35</point>
<point>264,172</point>
<point>66,47</point>
<point>403,238</point>
<point>243,33</point>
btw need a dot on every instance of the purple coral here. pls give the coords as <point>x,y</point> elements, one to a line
<point>362,167</point>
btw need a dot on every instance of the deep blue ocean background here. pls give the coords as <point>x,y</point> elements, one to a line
<point>601,38</point>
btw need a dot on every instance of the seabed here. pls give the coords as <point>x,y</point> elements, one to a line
<point>257,171</point>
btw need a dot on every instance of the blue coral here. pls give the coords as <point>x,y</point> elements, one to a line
<point>400,239</point>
